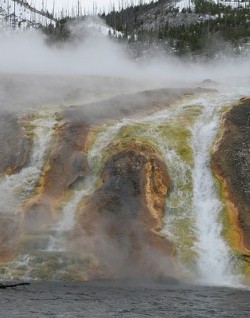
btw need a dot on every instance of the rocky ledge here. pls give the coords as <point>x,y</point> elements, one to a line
<point>231,164</point>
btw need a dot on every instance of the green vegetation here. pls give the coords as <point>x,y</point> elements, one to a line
<point>210,26</point>
<point>154,23</point>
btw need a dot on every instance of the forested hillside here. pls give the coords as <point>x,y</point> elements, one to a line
<point>199,25</point>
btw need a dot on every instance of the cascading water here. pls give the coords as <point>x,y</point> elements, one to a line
<point>194,203</point>
<point>17,187</point>
<point>193,208</point>
<point>214,259</point>
<point>178,216</point>
<point>57,241</point>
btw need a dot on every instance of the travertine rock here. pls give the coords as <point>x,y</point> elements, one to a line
<point>124,216</point>
<point>231,163</point>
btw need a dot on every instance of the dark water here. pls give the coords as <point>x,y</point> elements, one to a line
<point>119,299</point>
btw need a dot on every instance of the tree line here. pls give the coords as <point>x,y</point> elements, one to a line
<point>222,23</point>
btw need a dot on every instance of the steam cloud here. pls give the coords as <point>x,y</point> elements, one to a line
<point>27,53</point>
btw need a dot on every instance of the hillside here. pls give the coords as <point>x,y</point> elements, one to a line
<point>176,27</point>
<point>20,14</point>
<point>185,26</point>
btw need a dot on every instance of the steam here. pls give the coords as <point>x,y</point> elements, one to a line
<point>95,54</point>
<point>126,253</point>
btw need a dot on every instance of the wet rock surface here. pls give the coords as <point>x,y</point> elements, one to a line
<point>124,216</point>
<point>66,162</point>
<point>231,162</point>
<point>67,158</point>
<point>120,222</point>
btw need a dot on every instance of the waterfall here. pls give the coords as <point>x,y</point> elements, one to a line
<point>178,217</point>
<point>17,187</point>
<point>202,252</point>
<point>214,260</point>
<point>193,208</point>
<point>57,241</point>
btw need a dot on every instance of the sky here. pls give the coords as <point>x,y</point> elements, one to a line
<point>87,5</point>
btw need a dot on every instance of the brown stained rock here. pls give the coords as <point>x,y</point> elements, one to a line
<point>231,162</point>
<point>67,161</point>
<point>122,219</point>
<point>14,144</point>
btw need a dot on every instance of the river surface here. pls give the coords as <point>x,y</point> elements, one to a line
<point>122,299</point>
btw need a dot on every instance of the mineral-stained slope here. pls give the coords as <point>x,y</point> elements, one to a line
<point>66,158</point>
<point>67,161</point>
<point>231,163</point>
<point>123,216</point>
<point>67,151</point>
<point>117,229</point>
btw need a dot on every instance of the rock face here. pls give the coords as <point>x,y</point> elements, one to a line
<point>231,163</point>
<point>123,217</point>
<point>14,144</point>
<point>67,161</point>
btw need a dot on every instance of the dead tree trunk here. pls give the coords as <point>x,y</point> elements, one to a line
<point>4,286</point>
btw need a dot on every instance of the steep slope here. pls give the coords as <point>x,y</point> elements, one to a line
<point>185,26</point>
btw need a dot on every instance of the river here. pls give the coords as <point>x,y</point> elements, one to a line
<point>122,299</point>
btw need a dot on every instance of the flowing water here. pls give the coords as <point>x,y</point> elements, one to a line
<point>193,212</point>
<point>17,187</point>
<point>214,260</point>
<point>57,241</point>
<point>122,299</point>
<point>193,208</point>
